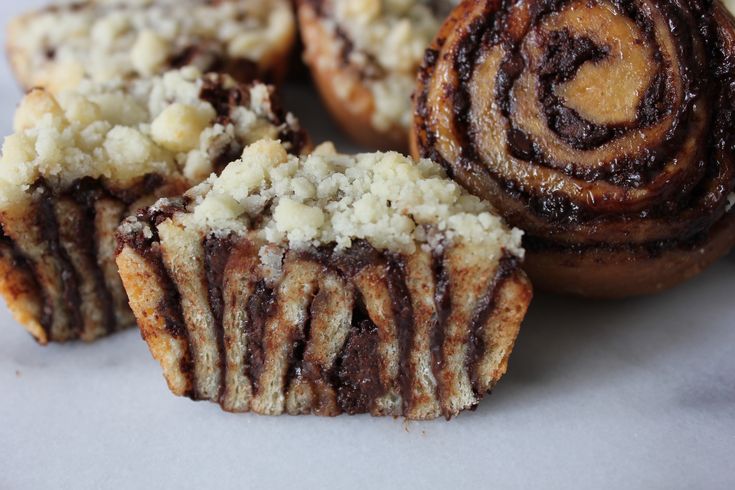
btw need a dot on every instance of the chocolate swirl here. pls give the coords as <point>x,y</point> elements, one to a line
<point>595,124</point>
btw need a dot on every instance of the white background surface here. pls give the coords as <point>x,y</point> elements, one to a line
<point>621,395</point>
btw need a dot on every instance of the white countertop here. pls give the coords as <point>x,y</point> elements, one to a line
<point>632,394</point>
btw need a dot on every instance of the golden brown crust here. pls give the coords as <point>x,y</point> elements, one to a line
<point>20,290</point>
<point>601,273</point>
<point>142,282</point>
<point>353,110</point>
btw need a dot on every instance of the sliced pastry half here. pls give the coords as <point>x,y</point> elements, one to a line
<point>82,161</point>
<point>327,284</point>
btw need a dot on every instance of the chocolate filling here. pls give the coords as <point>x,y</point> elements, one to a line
<point>49,226</point>
<point>216,253</point>
<point>405,326</point>
<point>357,371</point>
<point>86,192</point>
<point>225,100</point>
<point>353,260</point>
<point>507,266</point>
<point>443,305</point>
<point>259,307</point>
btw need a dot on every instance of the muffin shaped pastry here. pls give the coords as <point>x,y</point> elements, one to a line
<point>80,163</point>
<point>328,284</point>
<point>364,56</point>
<point>603,129</point>
<point>102,40</point>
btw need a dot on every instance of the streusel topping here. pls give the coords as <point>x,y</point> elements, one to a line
<point>109,39</point>
<point>121,131</point>
<point>387,199</point>
<point>388,37</point>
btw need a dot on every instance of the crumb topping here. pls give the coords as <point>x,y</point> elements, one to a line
<point>388,39</point>
<point>122,131</point>
<point>109,39</point>
<point>387,199</point>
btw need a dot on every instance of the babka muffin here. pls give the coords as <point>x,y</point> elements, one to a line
<point>604,129</point>
<point>81,162</point>
<point>58,46</point>
<point>364,56</point>
<point>328,284</point>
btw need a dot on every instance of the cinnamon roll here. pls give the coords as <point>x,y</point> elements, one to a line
<point>81,162</point>
<point>604,129</point>
<point>102,40</point>
<point>326,285</point>
<point>364,56</point>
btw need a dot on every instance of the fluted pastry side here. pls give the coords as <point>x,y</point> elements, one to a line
<point>603,129</point>
<point>80,163</point>
<point>320,326</point>
<point>58,46</point>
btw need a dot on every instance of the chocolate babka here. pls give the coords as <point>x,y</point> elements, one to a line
<point>78,164</point>
<point>326,285</point>
<point>58,46</point>
<point>364,56</point>
<point>604,129</point>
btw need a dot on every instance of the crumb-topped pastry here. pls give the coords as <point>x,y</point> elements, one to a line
<point>364,56</point>
<point>79,163</point>
<point>603,129</point>
<point>58,46</point>
<point>326,284</point>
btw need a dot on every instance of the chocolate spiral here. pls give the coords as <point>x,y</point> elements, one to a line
<point>591,124</point>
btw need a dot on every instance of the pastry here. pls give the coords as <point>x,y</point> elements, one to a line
<point>57,46</point>
<point>328,284</point>
<point>80,162</point>
<point>603,129</point>
<point>364,56</point>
